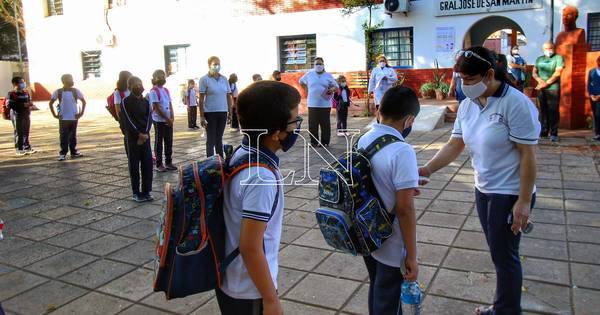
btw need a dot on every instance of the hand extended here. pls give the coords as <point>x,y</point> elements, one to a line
<point>412,269</point>
<point>520,215</point>
<point>424,172</point>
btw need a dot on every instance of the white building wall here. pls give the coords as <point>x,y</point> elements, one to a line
<point>246,44</point>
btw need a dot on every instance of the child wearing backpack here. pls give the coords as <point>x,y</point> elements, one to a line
<point>19,104</point>
<point>342,101</point>
<point>135,118</point>
<point>68,114</point>
<point>395,175</point>
<point>253,200</point>
<point>163,117</point>
<point>191,100</point>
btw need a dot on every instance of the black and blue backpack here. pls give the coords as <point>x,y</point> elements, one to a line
<point>351,216</point>
<point>190,247</point>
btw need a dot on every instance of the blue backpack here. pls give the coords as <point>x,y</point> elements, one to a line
<point>190,249</point>
<point>351,215</point>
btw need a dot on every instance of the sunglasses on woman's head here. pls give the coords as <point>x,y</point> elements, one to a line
<point>468,54</point>
<point>297,121</point>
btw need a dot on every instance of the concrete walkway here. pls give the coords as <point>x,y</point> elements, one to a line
<point>75,243</point>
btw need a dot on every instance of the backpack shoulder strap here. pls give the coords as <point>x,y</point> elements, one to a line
<point>74,92</point>
<point>59,94</point>
<point>157,91</point>
<point>379,143</point>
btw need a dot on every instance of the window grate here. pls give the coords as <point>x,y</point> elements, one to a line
<point>593,31</point>
<point>297,53</point>
<point>91,64</point>
<point>176,58</point>
<point>55,7</point>
<point>397,46</point>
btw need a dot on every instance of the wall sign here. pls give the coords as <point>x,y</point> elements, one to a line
<point>444,39</point>
<point>456,7</point>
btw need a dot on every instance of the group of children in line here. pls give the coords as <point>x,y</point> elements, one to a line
<point>250,284</point>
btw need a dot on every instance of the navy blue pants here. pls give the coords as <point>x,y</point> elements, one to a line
<point>216,122</point>
<point>163,133</point>
<point>140,159</point>
<point>342,115</point>
<point>68,136</point>
<point>21,124</point>
<point>494,214</point>
<point>596,114</point>
<point>231,306</point>
<point>384,289</point>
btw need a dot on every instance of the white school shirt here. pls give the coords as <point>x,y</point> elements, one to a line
<point>393,168</point>
<point>234,89</point>
<point>490,134</point>
<point>317,84</point>
<point>215,93</point>
<point>165,100</point>
<point>68,105</point>
<point>251,200</point>
<point>191,98</point>
<point>344,95</point>
<point>117,96</point>
<point>378,85</point>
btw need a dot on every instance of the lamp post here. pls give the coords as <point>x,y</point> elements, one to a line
<point>18,37</point>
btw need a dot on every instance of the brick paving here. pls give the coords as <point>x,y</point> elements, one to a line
<point>76,244</point>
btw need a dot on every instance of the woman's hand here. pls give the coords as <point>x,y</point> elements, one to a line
<point>203,122</point>
<point>425,173</point>
<point>520,215</point>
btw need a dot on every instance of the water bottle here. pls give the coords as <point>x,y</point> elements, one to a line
<point>410,298</point>
<point>1,228</point>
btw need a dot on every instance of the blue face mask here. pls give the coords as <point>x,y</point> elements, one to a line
<point>289,141</point>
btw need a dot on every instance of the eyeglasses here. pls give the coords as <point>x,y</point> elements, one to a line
<point>297,121</point>
<point>469,54</point>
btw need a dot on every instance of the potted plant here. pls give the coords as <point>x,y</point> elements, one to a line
<point>427,90</point>
<point>439,77</point>
<point>527,88</point>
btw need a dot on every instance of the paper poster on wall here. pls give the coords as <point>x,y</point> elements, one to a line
<point>444,39</point>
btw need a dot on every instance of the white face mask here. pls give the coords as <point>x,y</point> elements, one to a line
<point>381,64</point>
<point>215,68</point>
<point>319,68</point>
<point>22,86</point>
<point>548,53</point>
<point>475,90</point>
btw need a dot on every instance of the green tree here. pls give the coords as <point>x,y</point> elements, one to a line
<point>9,49</point>
<point>7,15</point>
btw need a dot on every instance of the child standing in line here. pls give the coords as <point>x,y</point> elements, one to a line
<point>342,100</point>
<point>191,100</point>
<point>19,103</point>
<point>136,123</point>
<point>253,200</point>
<point>163,117</point>
<point>68,115</point>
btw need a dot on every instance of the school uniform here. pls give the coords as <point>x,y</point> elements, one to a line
<point>393,168</point>
<point>319,104</point>
<point>380,81</point>
<point>594,89</point>
<point>251,194</point>
<point>117,100</point>
<point>67,118</point>
<point>342,100</point>
<point>215,92</point>
<point>235,124</point>
<point>163,133</point>
<point>135,119</point>
<point>191,101</point>
<point>20,116</point>
<point>490,134</point>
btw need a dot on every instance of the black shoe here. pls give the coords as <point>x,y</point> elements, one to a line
<point>76,155</point>
<point>597,138</point>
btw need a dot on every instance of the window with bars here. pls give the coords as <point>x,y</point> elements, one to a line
<point>91,64</point>
<point>176,58</point>
<point>397,45</point>
<point>54,7</point>
<point>593,31</point>
<point>297,53</point>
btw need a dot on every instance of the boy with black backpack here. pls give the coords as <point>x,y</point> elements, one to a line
<point>68,115</point>
<point>19,105</point>
<point>253,199</point>
<point>136,121</point>
<point>394,173</point>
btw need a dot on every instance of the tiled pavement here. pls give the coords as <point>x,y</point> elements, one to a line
<point>75,244</point>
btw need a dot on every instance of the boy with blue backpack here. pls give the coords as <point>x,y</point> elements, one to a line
<point>394,173</point>
<point>253,199</point>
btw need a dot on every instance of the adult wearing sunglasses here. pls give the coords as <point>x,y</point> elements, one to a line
<point>499,126</point>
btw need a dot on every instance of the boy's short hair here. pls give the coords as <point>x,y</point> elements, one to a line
<point>16,80</point>
<point>276,72</point>
<point>266,105</point>
<point>319,58</point>
<point>399,102</point>
<point>256,76</point>
<point>213,58</point>
<point>158,72</point>
<point>64,77</point>
<point>132,80</point>
<point>190,81</point>
<point>341,77</point>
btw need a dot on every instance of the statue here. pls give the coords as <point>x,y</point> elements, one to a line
<point>571,45</point>
<point>571,35</point>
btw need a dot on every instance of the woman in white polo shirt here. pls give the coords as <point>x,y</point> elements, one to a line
<point>214,104</point>
<point>382,78</point>
<point>499,126</point>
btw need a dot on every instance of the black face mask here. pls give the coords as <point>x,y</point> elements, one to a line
<point>161,82</point>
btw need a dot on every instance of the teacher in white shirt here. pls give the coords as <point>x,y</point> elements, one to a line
<point>382,78</point>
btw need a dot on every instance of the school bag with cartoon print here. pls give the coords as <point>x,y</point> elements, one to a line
<point>351,215</point>
<point>190,249</point>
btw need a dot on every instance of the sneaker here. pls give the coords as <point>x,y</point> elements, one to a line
<point>171,167</point>
<point>148,197</point>
<point>196,127</point>
<point>554,138</point>
<point>76,155</point>
<point>20,152</point>
<point>340,134</point>
<point>161,169</point>
<point>62,157</point>
<point>597,138</point>
<point>138,198</point>
<point>30,151</point>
